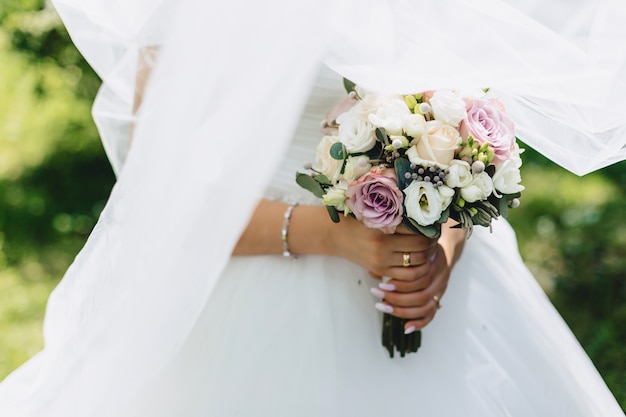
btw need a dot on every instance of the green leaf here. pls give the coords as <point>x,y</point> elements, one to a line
<point>381,134</point>
<point>333,213</point>
<point>431,231</point>
<point>308,183</point>
<point>376,152</point>
<point>338,151</point>
<point>323,180</point>
<point>343,166</point>
<point>348,85</point>
<point>503,207</point>
<point>402,166</point>
<point>445,215</point>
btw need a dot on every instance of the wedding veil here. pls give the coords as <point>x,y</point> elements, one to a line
<point>224,96</point>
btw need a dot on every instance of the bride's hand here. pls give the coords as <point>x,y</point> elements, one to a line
<point>384,254</point>
<point>417,301</point>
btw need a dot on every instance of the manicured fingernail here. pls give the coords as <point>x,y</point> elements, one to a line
<point>387,287</point>
<point>384,308</point>
<point>377,293</point>
<point>409,330</point>
<point>432,258</point>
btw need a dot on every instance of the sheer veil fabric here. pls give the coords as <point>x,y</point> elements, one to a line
<point>224,97</point>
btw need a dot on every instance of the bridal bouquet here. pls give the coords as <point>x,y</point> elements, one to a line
<point>416,160</point>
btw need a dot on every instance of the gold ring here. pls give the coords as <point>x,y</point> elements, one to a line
<point>406,259</point>
<point>436,300</point>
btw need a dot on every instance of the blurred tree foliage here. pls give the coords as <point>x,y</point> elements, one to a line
<point>54,177</point>
<point>54,180</point>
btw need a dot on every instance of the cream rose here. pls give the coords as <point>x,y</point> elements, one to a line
<point>436,146</point>
<point>448,107</point>
<point>459,174</point>
<point>389,113</point>
<point>424,203</point>
<point>356,134</point>
<point>325,163</point>
<point>480,188</point>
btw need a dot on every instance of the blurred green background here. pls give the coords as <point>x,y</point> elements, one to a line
<point>54,180</point>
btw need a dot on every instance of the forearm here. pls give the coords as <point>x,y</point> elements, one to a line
<point>452,241</point>
<point>307,232</point>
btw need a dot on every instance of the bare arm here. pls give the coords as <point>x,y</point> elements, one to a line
<point>411,292</point>
<point>312,232</point>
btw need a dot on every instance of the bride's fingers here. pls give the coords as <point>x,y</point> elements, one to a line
<point>410,313</point>
<point>409,243</point>
<point>399,286</point>
<point>409,299</point>
<point>407,259</point>
<point>401,273</point>
<point>414,325</point>
<point>375,275</point>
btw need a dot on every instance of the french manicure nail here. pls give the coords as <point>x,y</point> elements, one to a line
<point>387,287</point>
<point>384,308</point>
<point>377,293</point>
<point>409,330</point>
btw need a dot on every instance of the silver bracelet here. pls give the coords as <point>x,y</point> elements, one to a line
<point>285,230</point>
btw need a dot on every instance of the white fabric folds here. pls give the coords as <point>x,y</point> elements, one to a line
<point>223,100</point>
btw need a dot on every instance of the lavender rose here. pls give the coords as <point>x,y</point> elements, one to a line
<point>487,122</point>
<point>376,200</point>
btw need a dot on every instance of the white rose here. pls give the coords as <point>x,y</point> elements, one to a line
<point>325,163</point>
<point>424,203</point>
<point>448,107</point>
<point>414,125</point>
<point>367,105</point>
<point>507,178</point>
<point>459,174</point>
<point>389,113</point>
<point>447,194</point>
<point>436,146</point>
<point>356,134</point>
<point>480,188</point>
<point>356,166</point>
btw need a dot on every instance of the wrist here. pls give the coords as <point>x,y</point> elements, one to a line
<point>310,231</point>
<point>452,242</point>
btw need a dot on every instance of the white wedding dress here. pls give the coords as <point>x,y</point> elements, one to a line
<point>283,337</point>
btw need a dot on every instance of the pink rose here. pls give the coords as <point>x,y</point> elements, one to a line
<point>376,200</point>
<point>487,121</point>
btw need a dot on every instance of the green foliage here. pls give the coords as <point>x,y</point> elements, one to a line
<point>308,183</point>
<point>54,177</point>
<point>338,151</point>
<point>572,233</point>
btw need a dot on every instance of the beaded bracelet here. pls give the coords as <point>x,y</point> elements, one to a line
<point>285,230</point>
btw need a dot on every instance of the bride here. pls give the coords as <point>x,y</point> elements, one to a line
<point>181,302</point>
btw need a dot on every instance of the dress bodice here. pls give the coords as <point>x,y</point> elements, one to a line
<point>326,93</point>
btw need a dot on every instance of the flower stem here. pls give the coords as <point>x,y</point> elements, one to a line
<point>394,339</point>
